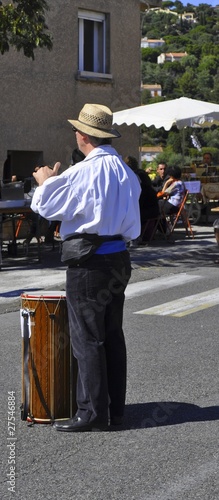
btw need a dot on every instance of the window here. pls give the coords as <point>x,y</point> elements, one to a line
<point>93,54</point>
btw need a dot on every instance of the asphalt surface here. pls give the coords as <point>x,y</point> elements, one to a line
<point>167,448</point>
<point>21,273</point>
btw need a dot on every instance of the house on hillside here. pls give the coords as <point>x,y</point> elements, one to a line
<point>151,43</point>
<point>189,16</point>
<point>166,11</point>
<point>186,16</point>
<point>171,57</point>
<point>154,89</point>
<point>89,63</point>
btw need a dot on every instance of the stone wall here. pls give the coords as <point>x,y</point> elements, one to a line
<point>38,97</point>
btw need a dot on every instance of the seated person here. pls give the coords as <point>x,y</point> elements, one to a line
<point>207,162</point>
<point>149,207</point>
<point>159,180</point>
<point>171,197</point>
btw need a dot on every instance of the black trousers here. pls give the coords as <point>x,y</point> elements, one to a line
<point>167,207</point>
<point>95,299</point>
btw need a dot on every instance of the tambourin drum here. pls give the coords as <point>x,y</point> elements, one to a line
<point>48,368</point>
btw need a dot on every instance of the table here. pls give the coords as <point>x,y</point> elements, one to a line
<point>193,206</point>
<point>16,214</point>
<point>208,187</point>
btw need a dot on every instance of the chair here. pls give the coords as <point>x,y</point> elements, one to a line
<point>173,219</point>
<point>151,226</point>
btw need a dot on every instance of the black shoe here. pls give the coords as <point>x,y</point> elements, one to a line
<point>76,424</point>
<point>116,420</point>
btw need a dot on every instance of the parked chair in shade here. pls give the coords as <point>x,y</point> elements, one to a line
<point>150,227</point>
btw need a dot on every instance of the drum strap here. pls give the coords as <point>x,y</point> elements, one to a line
<point>26,403</point>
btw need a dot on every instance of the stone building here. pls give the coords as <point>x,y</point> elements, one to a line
<point>95,58</point>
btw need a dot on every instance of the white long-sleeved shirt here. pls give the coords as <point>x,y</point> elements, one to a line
<point>98,195</point>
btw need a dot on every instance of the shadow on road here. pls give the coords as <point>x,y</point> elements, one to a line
<point>163,413</point>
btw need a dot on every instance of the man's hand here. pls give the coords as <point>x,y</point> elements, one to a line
<point>44,173</point>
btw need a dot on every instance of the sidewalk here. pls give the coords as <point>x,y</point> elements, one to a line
<point>22,274</point>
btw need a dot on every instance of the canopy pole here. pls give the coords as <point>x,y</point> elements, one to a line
<point>183,146</point>
<point>140,147</point>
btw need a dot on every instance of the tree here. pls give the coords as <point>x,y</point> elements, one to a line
<point>168,4</point>
<point>205,84</point>
<point>195,76</point>
<point>187,84</point>
<point>215,91</point>
<point>23,26</point>
<point>189,61</point>
<point>205,14</point>
<point>179,6</point>
<point>212,138</point>
<point>150,55</point>
<point>208,64</point>
<point>145,96</point>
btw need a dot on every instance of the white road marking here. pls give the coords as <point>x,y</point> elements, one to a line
<point>21,282</point>
<point>187,305</point>
<point>142,287</point>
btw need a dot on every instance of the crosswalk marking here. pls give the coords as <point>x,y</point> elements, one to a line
<point>142,287</point>
<point>186,305</point>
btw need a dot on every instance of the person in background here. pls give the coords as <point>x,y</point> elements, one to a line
<point>207,162</point>
<point>36,221</point>
<point>97,202</point>
<point>172,193</point>
<point>207,159</point>
<point>158,182</point>
<point>148,202</point>
<point>150,172</point>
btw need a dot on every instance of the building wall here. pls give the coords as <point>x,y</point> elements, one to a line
<point>39,96</point>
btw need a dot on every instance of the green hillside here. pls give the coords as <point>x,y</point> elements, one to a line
<point>196,75</point>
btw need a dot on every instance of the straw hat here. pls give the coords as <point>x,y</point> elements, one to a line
<point>95,120</point>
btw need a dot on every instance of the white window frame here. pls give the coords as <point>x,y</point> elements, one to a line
<point>96,17</point>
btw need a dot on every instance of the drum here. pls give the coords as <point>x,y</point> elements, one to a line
<point>49,370</point>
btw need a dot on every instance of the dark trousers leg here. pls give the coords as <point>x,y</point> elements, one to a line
<point>116,355</point>
<point>95,298</point>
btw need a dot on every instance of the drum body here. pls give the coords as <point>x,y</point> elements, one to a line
<point>49,370</point>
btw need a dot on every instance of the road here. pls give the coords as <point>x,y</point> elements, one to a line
<point>167,448</point>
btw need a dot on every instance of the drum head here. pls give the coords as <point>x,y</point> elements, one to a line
<point>50,295</point>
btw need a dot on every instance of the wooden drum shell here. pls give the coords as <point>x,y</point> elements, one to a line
<point>51,367</point>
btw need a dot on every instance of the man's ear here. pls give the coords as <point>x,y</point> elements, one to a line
<point>85,137</point>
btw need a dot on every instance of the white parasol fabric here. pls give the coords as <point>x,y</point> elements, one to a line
<point>182,112</point>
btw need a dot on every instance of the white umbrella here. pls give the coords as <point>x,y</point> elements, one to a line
<point>182,112</point>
